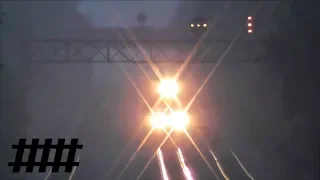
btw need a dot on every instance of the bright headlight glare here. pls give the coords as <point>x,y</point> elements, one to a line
<point>168,88</point>
<point>176,120</point>
<point>159,120</point>
<point>179,120</point>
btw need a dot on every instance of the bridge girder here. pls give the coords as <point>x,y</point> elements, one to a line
<point>129,51</point>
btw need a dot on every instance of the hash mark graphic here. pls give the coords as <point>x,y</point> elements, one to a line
<point>46,148</point>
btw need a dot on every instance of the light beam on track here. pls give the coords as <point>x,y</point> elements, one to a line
<point>162,166</point>
<point>219,166</point>
<point>185,168</point>
<point>205,160</point>
<point>48,175</point>
<point>71,175</point>
<point>160,77</point>
<point>147,165</point>
<point>74,169</point>
<point>193,143</point>
<point>243,168</point>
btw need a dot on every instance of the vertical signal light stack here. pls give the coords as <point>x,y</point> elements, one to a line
<point>250,25</point>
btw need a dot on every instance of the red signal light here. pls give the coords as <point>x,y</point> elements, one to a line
<point>250,25</point>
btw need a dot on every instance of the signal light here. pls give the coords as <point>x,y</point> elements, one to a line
<point>250,25</point>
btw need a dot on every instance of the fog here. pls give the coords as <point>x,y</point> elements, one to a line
<point>73,100</point>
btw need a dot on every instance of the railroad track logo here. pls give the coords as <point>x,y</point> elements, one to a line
<point>46,148</point>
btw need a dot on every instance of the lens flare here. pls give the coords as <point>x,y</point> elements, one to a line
<point>162,165</point>
<point>176,120</point>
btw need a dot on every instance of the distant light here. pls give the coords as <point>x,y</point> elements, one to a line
<point>249,31</point>
<point>198,25</point>
<point>192,25</point>
<point>249,24</point>
<point>205,25</point>
<point>249,17</point>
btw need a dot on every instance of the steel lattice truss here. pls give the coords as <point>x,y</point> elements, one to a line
<point>108,51</point>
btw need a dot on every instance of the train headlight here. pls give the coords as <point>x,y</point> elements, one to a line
<point>159,120</point>
<point>178,120</point>
<point>168,88</point>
